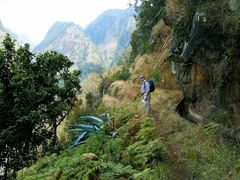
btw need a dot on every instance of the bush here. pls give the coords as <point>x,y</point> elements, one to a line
<point>149,13</point>
<point>143,154</point>
<point>220,116</point>
<point>104,85</point>
<point>123,113</point>
<point>122,75</point>
<point>114,149</point>
<point>156,75</point>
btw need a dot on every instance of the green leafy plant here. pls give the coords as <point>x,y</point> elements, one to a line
<point>37,92</point>
<point>122,75</point>
<point>156,75</point>
<point>220,116</point>
<point>83,131</point>
<point>211,128</point>
<point>148,15</point>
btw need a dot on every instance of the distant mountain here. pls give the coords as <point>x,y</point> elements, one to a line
<point>22,39</point>
<point>111,31</point>
<point>99,46</point>
<point>2,31</point>
<point>69,39</point>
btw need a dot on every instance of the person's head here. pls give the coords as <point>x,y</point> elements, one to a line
<point>141,77</point>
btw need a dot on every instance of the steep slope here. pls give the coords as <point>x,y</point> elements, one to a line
<point>205,53</point>
<point>166,145</point>
<point>99,46</point>
<point>69,39</point>
<point>111,31</point>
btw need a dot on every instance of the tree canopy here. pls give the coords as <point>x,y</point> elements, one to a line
<point>149,12</point>
<point>36,93</point>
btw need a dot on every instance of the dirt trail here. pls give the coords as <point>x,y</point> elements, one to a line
<point>164,103</point>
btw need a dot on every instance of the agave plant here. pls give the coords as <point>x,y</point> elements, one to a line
<point>83,131</point>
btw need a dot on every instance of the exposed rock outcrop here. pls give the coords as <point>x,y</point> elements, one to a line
<point>205,70</point>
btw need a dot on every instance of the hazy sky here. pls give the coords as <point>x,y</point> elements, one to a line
<point>34,17</point>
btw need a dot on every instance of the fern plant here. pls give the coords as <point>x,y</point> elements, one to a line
<point>90,125</point>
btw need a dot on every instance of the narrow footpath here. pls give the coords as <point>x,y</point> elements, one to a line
<point>167,120</point>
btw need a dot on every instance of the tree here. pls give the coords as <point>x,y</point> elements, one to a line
<point>36,94</point>
<point>149,12</point>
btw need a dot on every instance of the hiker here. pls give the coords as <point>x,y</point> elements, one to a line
<point>145,90</point>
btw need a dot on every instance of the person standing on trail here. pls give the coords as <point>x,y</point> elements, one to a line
<point>145,90</point>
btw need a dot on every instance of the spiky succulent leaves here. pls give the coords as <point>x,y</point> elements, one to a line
<point>84,127</point>
<point>92,120</point>
<point>114,134</point>
<point>83,131</point>
<point>81,139</point>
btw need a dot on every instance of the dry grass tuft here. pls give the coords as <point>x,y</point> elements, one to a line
<point>109,101</point>
<point>125,90</point>
<point>92,87</point>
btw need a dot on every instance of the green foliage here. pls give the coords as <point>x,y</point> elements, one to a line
<point>122,75</point>
<point>179,127</point>
<point>101,108</point>
<point>93,100</point>
<point>123,113</point>
<point>147,149</point>
<point>116,158</point>
<point>149,13</point>
<point>220,116</point>
<point>83,130</point>
<point>212,161</point>
<point>104,85</point>
<point>96,143</point>
<point>211,128</point>
<point>160,172</point>
<point>144,154</point>
<point>89,100</point>
<point>37,92</point>
<point>156,75</point>
<point>74,113</point>
<point>70,163</point>
<point>114,149</point>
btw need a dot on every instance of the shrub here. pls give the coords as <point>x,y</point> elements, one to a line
<point>104,85</point>
<point>87,126</point>
<point>156,75</point>
<point>114,149</point>
<point>220,116</point>
<point>122,75</point>
<point>123,113</point>
<point>149,13</point>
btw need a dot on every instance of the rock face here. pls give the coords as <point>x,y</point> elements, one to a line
<point>206,58</point>
<point>69,39</point>
<point>111,32</point>
<point>98,47</point>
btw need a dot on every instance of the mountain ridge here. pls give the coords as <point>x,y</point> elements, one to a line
<point>56,29</point>
<point>69,39</point>
<point>111,31</point>
<point>113,28</point>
